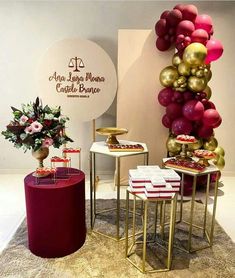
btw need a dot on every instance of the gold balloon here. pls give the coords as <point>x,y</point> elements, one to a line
<point>211,144</point>
<point>172,146</point>
<point>195,146</point>
<point>168,75</point>
<point>181,89</point>
<point>208,74</point>
<point>197,84</point>
<point>176,60</point>
<point>184,69</point>
<point>193,71</point>
<point>208,92</point>
<point>220,162</point>
<point>195,54</point>
<point>199,73</point>
<point>220,151</point>
<point>181,80</point>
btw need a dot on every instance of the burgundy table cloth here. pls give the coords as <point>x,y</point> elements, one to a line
<point>56,214</point>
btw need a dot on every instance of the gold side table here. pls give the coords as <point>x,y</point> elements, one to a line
<point>135,242</point>
<point>102,148</point>
<point>207,235</point>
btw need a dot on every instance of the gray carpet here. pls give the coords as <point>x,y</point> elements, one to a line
<point>100,257</point>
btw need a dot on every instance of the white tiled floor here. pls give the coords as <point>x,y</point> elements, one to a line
<point>12,203</point>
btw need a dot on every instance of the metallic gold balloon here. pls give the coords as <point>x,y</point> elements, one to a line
<point>197,84</point>
<point>184,69</point>
<point>172,146</point>
<point>168,75</point>
<point>193,71</point>
<point>195,54</point>
<point>208,92</point>
<point>200,73</point>
<point>176,60</point>
<point>181,89</point>
<point>220,151</point>
<point>210,144</point>
<point>181,80</point>
<point>195,146</point>
<point>220,162</point>
<point>208,74</point>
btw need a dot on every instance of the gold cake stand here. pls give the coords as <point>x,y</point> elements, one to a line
<point>183,154</point>
<point>111,132</point>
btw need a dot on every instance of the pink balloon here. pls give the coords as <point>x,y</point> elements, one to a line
<point>205,132</point>
<point>166,121</point>
<point>174,110</point>
<point>204,21</point>
<point>161,27</point>
<point>185,27</point>
<point>200,36</point>
<point>214,50</point>
<point>181,126</point>
<point>165,96</point>
<point>164,14</point>
<point>174,17</point>
<point>193,110</point>
<point>190,12</point>
<point>211,117</point>
<point>162,44</point>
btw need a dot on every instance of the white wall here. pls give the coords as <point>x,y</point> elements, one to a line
<point>27,29</point>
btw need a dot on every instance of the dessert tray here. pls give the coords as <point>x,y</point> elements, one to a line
<point>185,139</point>
<point>125,147</point>
<point>71,150</point>
<point>204,156</point>
<point>185,165</point>
<point>111,132</point>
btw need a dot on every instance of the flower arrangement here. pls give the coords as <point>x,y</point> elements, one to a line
<point>35,126</point>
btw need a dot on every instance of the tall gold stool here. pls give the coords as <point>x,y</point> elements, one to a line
<point>129,253</point>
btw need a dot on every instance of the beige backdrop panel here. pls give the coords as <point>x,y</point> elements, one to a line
<point>139,65</point>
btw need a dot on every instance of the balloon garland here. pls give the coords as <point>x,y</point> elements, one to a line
<point>186,96</point>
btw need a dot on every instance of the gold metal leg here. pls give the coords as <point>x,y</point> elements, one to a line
<point>181,197</point>
<point>191,214</point>
<point>171,231</point>
<point>162,218</point>
<point>206,202</point>
<point>134,220</point>
<point>118,194</point>
<point>127,222</point>
<point>91,190</point>
<point>214,209</point>
<point>145,234</point>
<point>155,220</point>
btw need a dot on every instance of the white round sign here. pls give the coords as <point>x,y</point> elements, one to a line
<point>79,76</point>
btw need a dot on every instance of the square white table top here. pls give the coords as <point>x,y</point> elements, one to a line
<point>102,148</point>
<point>208,170</point>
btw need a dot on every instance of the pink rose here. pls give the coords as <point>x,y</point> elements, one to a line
<point>29,130</point>
<point>47,142</point>
<point>23,119</point>
<point>36,126</point>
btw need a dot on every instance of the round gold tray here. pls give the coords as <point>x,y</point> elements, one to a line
<point>111,132</point>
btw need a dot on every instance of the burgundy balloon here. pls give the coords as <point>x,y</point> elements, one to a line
<point>200,36</point>
<point>174,17</point>
<point>178,97</point>
<point>174,110</point>
<point>193,110</point>
<point>164,14</point>
<point>188,185</point>
<point>162,44</point>
<point>190,12</point>
<point>204,21</point>
<point>205,132</point>
<point>210,117</point>
<point>209,105</point>
<point>179,7</point>
<point>161,27</point>
<point>181,126</point>
<point>166,121</point>
<point>185,27</point>
<point>165,96</point>
<point>218,123</point>
<point>188,95</point>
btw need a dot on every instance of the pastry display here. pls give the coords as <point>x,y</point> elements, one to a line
<point>125,148</point>
<point>60,159</point>
<point>204,154</point>
<point>71,150</point>
<point>40,172</point>
<point>185,164</point>
<point>185,139</point>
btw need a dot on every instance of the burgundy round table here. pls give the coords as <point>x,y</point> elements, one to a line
<point>56,214</point>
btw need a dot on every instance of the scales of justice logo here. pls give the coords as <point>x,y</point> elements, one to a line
<point>77,83</point>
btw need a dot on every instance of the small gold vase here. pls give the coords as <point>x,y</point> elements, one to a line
<point>40,155</point>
